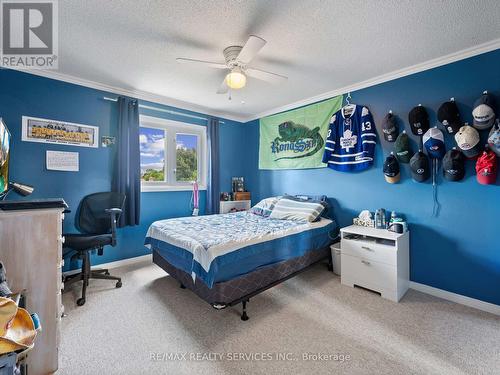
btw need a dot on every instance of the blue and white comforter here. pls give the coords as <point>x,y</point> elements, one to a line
<point>211,238</point>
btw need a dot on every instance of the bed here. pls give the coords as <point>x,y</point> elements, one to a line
<point>226,259</point>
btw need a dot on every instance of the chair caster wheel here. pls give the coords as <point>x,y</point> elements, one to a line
<point>80,301</point>
<point>106,273</point>
<point>118,284</point>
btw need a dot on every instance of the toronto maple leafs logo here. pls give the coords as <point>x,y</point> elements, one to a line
<point>348,141</point>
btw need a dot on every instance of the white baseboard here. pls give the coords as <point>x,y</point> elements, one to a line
<point>457,298</point>
<point>449,296</point>
<point>118,263</point>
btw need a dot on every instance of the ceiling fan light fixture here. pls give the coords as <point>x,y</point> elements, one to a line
<point>236,79</point>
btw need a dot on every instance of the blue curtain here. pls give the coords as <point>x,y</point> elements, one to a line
<point>213,193</point>
<point>127,179</point>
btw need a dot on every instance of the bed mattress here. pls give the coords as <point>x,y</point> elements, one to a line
<point>218,248</point>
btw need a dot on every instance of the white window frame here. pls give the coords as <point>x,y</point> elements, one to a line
<point>171,129</point>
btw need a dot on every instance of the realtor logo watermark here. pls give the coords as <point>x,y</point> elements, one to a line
<point>29,34</point>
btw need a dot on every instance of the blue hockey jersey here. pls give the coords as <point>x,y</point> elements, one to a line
<point>350,142</point>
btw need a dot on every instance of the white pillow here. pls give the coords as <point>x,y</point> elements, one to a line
<point>265,206</point>
<point>296,209</point>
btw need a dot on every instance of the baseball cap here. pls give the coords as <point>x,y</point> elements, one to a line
<point>402,148</point>
<point>390,127</point>
<point>468,140</point>
<point>449,116</point>
<point>419,165</point>
<point>454,165</point>
<point>486,168</point>
<point>494,138</point>
<point>483,112</point>
<point>391,169</point>
<point>419,120</point>
<point>434,143</point>
<point>18,331</point>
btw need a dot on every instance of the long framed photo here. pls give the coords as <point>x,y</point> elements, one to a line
<point>61,132</point>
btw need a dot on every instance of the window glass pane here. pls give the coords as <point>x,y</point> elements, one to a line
<point>186,157</point>
<point>152,143</point>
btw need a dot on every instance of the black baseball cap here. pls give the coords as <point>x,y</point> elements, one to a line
<point>391,169</point>
<point>419,120</point>
<point>390,127</point>
<point>484,112</point>
<point>402,148</point>
<point>454,165</point>
<point>449,116</point>
<point>419,165</point>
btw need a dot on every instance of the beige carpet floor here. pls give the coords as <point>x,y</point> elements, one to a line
<point>151,326</point>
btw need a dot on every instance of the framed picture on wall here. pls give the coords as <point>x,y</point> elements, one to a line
<point>61,132</point>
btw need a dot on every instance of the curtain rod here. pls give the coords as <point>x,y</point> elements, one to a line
<point>165,110</point>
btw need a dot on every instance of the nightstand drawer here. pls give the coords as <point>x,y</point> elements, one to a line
<point>370,251</point>
<point>369,274</point>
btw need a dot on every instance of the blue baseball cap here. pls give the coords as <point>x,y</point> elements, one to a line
<point>434,143</point>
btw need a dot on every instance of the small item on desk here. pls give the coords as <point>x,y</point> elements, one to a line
<point>380,219</point>
<point>397,227</point>
<point>238,184</point>
<point>21,189</point>
<point>397,224</point>
<point>224,196</point>
<point>364,219</point>
<point>242,196</point>
<point>393,217</point>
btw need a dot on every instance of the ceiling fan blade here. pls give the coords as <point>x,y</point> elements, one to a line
<point>266,76</point>
<point>253,45</point>
<point>201,62</point>
<point>223,89</point>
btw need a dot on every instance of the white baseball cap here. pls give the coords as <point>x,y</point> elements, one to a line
<point>468,141</point>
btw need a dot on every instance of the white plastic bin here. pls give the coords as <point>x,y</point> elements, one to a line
<point>335,248</point>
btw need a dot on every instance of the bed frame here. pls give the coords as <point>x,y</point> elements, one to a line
<point>241,289</point>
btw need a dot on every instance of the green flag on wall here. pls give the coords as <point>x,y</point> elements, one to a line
<point>296,139</point>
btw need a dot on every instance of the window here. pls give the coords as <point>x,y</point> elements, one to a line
<point>173,154</point>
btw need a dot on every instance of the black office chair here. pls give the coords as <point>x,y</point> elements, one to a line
<point>96,220</point>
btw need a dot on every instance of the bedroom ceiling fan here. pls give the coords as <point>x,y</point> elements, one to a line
<point>237,63</point>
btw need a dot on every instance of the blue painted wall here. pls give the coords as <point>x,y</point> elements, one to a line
<point>458,251</point>
<point>29,95</point>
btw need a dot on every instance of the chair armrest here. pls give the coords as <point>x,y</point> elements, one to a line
<point>114,214</point>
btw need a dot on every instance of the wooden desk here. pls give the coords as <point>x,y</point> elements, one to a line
<point>31,250</point>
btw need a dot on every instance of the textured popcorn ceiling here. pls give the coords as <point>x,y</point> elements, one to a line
<point>320,45</point>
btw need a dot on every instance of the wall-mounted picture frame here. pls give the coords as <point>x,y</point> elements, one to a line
<point>107,141</point>
<point>61,132</point>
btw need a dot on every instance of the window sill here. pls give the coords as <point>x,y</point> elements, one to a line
<point>159,188</point>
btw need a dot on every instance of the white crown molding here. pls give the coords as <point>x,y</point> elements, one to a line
<point>159,99</point>
<point>138,94</point>
<point>434,63</point>
<point>457,298</point>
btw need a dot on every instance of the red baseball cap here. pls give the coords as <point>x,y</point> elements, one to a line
<point>486,168</point>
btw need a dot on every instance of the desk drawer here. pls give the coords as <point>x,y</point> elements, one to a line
<point>370,251</point>
<point>369,274</point>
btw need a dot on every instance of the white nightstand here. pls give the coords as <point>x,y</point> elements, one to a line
<point>376,259</point>
<point>227,206</point>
